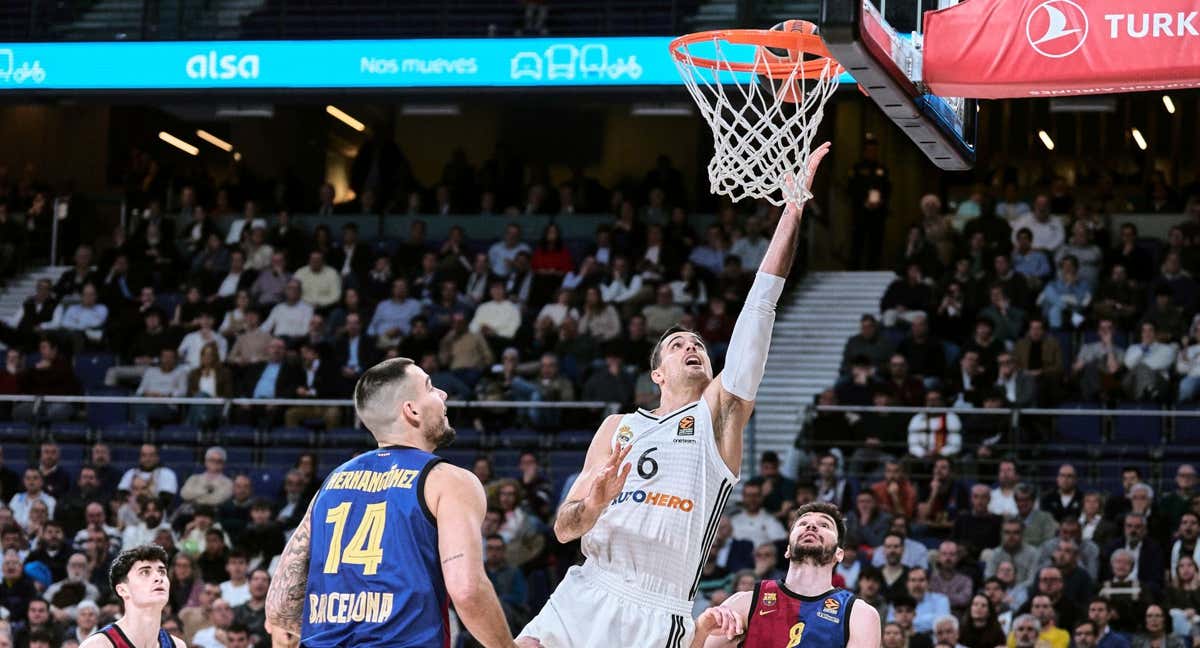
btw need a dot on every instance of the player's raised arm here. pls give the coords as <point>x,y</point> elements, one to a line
<point>599,482</point>
<point>457,501</point>
<point>285,597</point>
<point>732,395</point>
<point>724,625</point>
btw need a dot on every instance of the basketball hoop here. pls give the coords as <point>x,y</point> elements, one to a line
<point>763,94</point>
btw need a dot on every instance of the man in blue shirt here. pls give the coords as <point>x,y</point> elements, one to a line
<point>263,380</point>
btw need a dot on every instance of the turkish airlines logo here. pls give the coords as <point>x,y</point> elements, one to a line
<point>1057,28</point>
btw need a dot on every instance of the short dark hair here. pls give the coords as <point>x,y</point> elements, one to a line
<point>832,511</point>
<point>656,353</point>
<point>1080,624</point>
<point>237,553</point>
<point>237,628</point>
<point>871,573</point>
<point>119,571</point>
<point>378,377</point>
<point>496,536</point>
<point>903,600</point>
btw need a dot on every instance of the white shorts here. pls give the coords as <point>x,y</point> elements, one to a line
<point>590,608</point>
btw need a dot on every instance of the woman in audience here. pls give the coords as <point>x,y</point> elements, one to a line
<point>187,312</point>
<point>322,241</point>
<point>599,319</point>
<point>211,379</point>
<point>980,628</point>
<point>234,323</point>
<point>1183,596</point>
<point>1155,631</point>
<point>689,290</point>
<point>186,584</point>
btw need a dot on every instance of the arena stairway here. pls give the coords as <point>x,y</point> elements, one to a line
<point>811,328</point>
<point>105,21</point>
<point>22,287</point>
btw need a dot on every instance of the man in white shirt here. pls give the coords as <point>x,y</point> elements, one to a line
<point>20,503</point>
<point>934,434</point>
<point>502,253</point>
<point>1003,502</point>
<point>320,285</point>
<point>221,617</point>
<point>83,321</point>
<point>1149,364</point>
<point>234,279</point>
<point>753,523</point>
<point>498,317</point>
<point>136,535</point>
<point>621,286</point>
<point>162,480</point>
<point>247,222</point>
<point>193,343</point>
<point>167,380</point>
<point>1047,229</point>
<point>752,247</point>
<point>290,318</point>
<point>236,590</point>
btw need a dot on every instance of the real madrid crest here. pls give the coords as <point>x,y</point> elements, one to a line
<point>624,435</point>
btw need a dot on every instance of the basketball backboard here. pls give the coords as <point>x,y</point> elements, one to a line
<point>881,43</point>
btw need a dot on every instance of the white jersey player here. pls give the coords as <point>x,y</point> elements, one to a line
<point>648,523</point>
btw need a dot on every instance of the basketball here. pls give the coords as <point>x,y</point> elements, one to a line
<point>790,89</point>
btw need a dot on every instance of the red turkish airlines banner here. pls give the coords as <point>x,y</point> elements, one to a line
<point>993,49</point>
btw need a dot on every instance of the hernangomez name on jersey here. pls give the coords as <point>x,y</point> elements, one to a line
<point>656,533</point>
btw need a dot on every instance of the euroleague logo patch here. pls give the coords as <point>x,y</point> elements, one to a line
<point>830,610</point>
<point>832,605</point>
<point>687,426</point>
<point>1056,28</point>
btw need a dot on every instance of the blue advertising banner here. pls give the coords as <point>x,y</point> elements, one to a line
<point>424,63</point>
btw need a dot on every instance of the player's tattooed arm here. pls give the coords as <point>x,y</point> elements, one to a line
<point>577,516</point>
<point>285,598</point>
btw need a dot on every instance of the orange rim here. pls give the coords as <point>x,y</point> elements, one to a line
<point>810,44</point>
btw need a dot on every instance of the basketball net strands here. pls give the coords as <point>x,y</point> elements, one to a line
<point>763,94</point>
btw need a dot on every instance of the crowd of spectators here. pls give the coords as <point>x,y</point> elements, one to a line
<point>60,531</point>
<point>200,301</point>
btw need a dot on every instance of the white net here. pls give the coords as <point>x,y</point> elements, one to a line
<point>763,121</point>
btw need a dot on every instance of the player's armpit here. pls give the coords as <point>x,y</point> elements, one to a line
<point>457,501</point>
<point>864,626</point>
<point>285,598</point>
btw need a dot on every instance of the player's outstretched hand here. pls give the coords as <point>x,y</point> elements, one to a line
<point>814,161</point>
<point>720,621</point>
<point>610,479</point>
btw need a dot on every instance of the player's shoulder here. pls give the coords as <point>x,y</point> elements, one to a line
<point>740,602</point>
<point>97,640</point>
<point>863,612</point>
<point>446,478</point>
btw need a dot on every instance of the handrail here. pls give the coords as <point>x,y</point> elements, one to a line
<point>1032,411</point>
<point>320,402</point>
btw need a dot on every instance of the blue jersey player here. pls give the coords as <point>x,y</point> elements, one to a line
<point>392,537</point>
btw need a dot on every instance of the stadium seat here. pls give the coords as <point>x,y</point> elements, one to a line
<point>1187,428</point>
<point>238,456</point>
<point>1137,430</point>
<point>178,434</point>
<point>520,438</point>
<point>124,455</point>
<point>70,432</point>
<point>100,415</point>
<point>91,367</point>
<point>14,432</point>
<point>123,433</point>
<point>243,435</point>
<point>289,436</point>
<point>268,482</point>
<point>460,458</point>
<point>1085,429</point>
<point>504,462</point>
<point>281,457</point>
<point>572,439</point>
<point>78,453</point>
<point>348,438</point>
<point>180,458</point>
